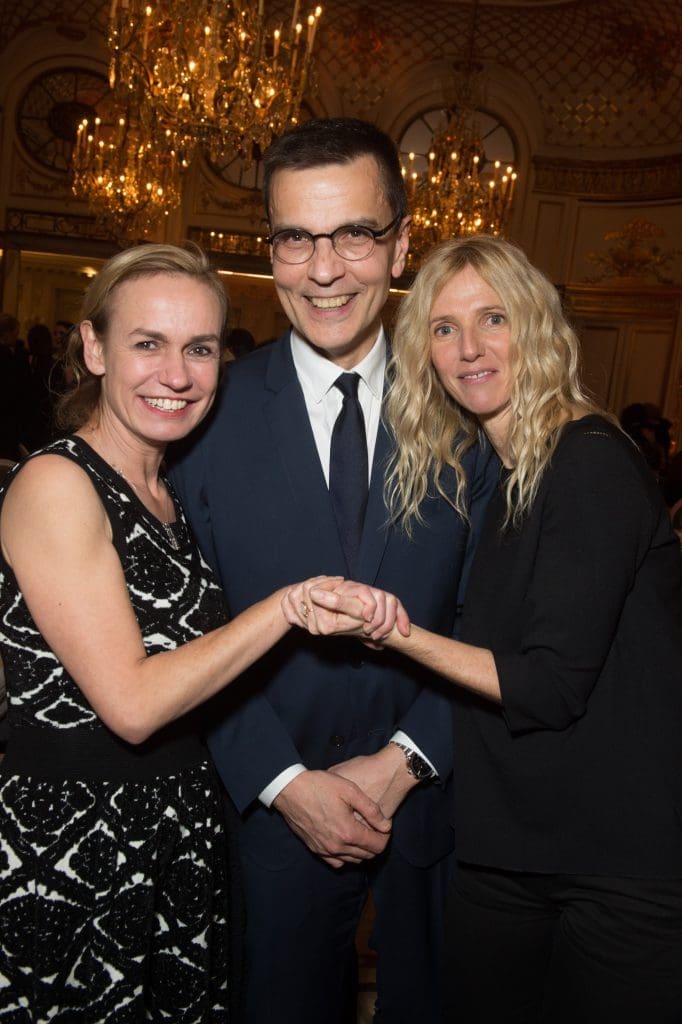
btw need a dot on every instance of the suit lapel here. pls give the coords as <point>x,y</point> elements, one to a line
<point>294,445</point>
<point>375,531</point>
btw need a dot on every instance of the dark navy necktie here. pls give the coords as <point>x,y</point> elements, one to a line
<point>348,468</point>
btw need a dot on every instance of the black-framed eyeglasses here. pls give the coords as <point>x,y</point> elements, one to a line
<point>350,242</point>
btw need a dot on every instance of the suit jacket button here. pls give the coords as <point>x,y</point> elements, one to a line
<point>337,741</point>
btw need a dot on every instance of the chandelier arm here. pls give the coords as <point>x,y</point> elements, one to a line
<point>182,73</point>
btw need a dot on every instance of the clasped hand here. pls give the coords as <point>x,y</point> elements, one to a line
<point>343,815</point>
<point>332,606</point>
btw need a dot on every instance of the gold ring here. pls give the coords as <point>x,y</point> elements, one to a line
<point>304,609</point>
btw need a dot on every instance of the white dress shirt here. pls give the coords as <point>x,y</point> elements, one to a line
<point>316,375</point>
<point>323,401</point>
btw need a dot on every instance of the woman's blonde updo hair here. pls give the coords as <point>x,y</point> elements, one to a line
<point>80,402</point>
<point>431,430</point>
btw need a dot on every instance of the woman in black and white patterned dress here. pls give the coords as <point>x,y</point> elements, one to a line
<point>112,855</point>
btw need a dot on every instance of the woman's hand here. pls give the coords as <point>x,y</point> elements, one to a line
<point>297,602</point>
<point>329,606</point>
<point>381,612</point>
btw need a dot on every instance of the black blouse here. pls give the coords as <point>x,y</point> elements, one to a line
<point>580,770</point>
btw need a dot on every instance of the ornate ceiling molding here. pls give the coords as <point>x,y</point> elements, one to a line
<point>607,75</point>
<point>626,179</point>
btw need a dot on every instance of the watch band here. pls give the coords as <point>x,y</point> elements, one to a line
<point>416,765</point>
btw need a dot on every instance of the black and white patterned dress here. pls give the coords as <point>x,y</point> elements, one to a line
<point>113,904</point>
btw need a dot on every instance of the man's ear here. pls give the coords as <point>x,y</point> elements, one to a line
<point>93,350</point>
<point>402,244</point>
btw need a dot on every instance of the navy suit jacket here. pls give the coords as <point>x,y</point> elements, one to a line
<point>254,490</point>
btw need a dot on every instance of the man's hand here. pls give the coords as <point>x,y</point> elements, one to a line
<point>382,776</point>
<point>333,817</point>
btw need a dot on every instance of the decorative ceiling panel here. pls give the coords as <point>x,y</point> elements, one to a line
<point>70,18</point>
<point>606,74</point>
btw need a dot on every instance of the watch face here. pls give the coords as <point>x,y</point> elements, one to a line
<point>51,109</point>
<point>418,766</point>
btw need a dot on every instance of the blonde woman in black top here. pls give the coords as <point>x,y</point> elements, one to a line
<point>567,901</point>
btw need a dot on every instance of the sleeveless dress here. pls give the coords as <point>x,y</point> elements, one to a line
<point>113,861</point>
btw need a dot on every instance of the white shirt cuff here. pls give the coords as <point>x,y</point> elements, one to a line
<point>401,737</point>
<point>277,785</point>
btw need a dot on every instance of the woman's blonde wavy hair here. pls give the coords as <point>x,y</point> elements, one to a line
<point>432,430</point>
<point>81,401</point>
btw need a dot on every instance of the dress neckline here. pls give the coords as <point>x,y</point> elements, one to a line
<point>173,530</point>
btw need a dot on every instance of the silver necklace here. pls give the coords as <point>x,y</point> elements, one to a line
<point>167,527</point>
<point>170,533</point>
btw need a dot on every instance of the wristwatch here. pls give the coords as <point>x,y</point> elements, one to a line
<point>418,768</point>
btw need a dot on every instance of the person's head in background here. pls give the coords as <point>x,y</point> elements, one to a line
<point>339,231</point>
<point>39,341</point>
<point>62,328</point>
<point>9,330</point>
<point>651,433</point>
<point>239,343</point>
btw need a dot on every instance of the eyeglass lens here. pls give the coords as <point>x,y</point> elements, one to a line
<point>350,242</point>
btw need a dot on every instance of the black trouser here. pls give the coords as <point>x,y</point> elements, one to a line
<point>562,949</point>
<point>300,939</point>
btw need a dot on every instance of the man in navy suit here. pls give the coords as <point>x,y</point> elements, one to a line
<point>336,756</point>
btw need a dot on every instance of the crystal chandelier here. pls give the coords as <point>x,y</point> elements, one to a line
<point>213,67</point>
<point>454,195</point>
<point>183,74</point>
<point>458,192</point>
<point>128,165</point>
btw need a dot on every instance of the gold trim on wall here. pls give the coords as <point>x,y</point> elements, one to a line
<point>625,179</point>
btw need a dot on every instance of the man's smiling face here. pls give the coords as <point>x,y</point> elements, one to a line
<point>335,304</point>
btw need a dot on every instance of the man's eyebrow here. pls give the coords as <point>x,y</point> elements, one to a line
<point>360,222</point>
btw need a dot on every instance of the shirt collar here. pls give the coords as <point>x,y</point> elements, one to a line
<point>317,374</point>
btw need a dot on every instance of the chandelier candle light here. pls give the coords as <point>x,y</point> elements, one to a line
<point>185,73</point>
<point>459,192</point>
<point>129,168</point>
<point>453,196</point>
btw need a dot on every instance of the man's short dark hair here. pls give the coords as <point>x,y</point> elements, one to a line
<point>336,140</point>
